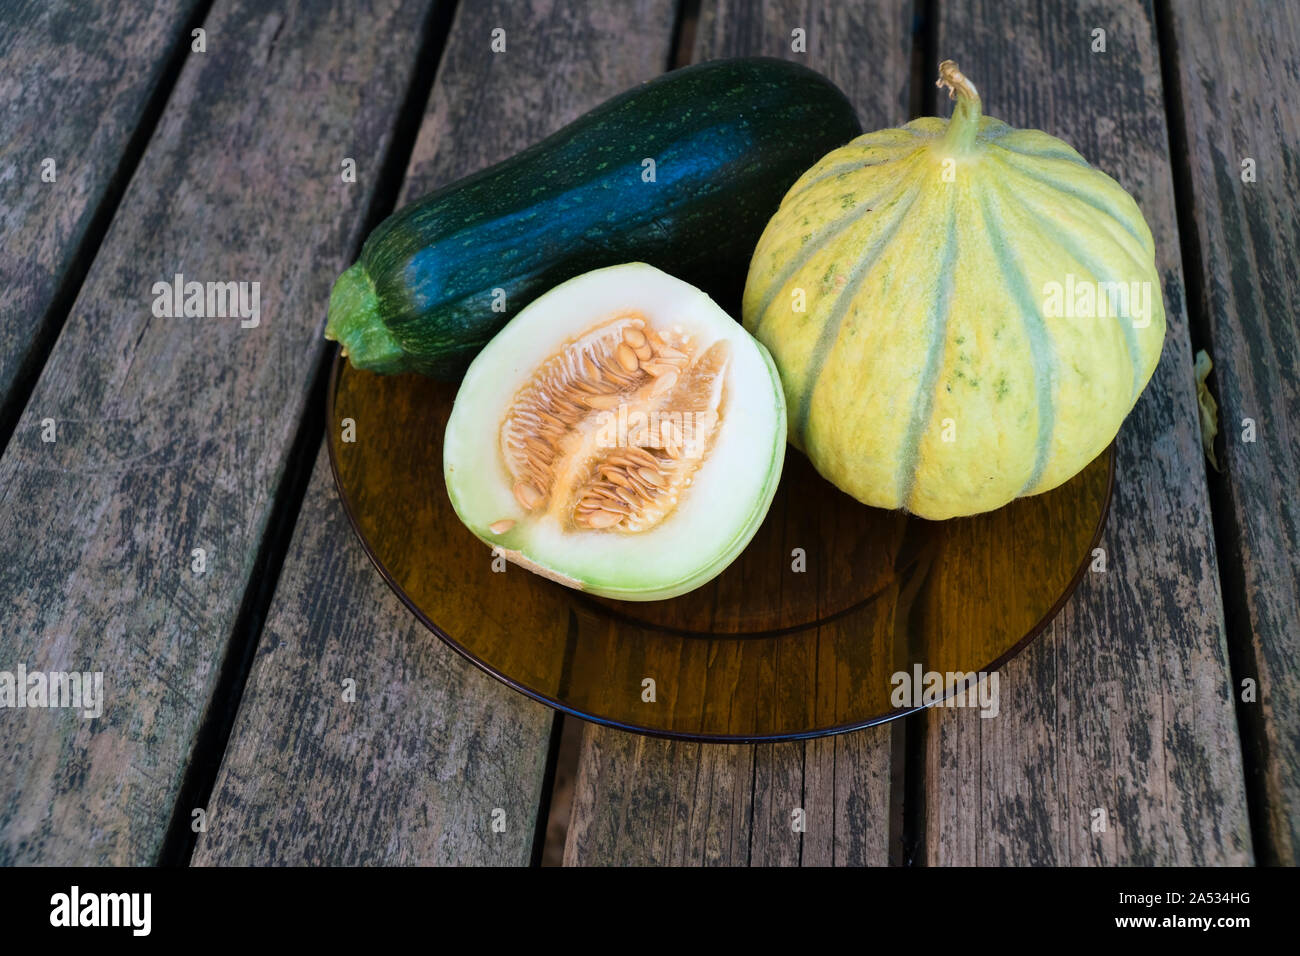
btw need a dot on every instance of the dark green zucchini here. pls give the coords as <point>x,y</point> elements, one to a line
<point>728,138</point>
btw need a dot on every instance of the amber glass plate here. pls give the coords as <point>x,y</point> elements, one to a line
<point>800,637</point>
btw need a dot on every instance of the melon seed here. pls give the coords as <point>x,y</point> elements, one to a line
<point>603,402</point>
<point>652,476</point>
<point>663,383</point>
<point>527,495</point>
<point>627,358</point>
<point>502,526</point>
<point>552,420</point>
<point>602,519</point>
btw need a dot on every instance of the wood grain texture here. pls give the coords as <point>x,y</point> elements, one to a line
<point>643,801</point>
<point>1236,68</point>
<point>864,48</point>
<point>1124,705</point>
<point>431,763</point>
<point>172,432</point>
<point>445,743</point>
<point>75,84</point>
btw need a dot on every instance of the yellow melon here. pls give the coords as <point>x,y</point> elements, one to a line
<point>961,312</point>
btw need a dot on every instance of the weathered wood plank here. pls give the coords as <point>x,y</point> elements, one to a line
<point>312,782</point>
<point>410,771</point>
<point>76,84</point>
<point>642,801</point>
<point>1124,705</point>
<point>172,432</point>
<point>1237,67</point>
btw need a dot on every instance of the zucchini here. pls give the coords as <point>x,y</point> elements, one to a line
<point>439,277</point>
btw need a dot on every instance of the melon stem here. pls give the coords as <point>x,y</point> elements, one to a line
<point>965,122</point>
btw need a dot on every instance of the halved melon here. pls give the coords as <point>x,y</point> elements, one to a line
<point>622,435</point>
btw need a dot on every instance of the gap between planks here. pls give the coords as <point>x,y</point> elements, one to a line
<point>87,247</point>
<point>1228,533</point>
<point>214,734</point>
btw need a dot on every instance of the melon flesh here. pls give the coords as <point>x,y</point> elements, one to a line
<point>622,435</point>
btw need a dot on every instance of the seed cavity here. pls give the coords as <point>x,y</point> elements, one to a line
<point>663,393</point>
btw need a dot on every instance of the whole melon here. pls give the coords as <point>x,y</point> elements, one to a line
<point>962,313</point>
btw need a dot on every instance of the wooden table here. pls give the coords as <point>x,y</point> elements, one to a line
<point>225,738</point>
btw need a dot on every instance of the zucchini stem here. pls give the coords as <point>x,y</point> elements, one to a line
<point>354,322</point>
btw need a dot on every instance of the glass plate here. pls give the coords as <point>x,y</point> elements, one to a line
<point>803,635</point>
